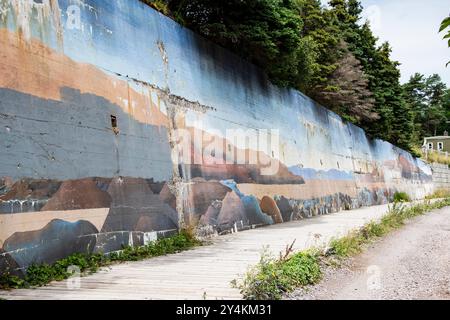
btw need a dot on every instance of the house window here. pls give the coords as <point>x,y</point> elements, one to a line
<point>440,146</point>
<point>430,146</point>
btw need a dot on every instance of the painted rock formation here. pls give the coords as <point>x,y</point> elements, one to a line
<point>135,207</point>
<point>78,194</point>
<point>269,206</point>
<point>233,210</point>
<point>55,241</point>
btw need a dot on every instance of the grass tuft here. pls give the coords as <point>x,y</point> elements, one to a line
<point>431,156</point>
<point>435,157</point>
<point>439,194</point>
<point>347,246</point>
<point>401,197</point>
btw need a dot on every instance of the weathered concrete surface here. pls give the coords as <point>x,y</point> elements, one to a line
<point>206,271</point>
<point>411,263</point>
<point>119,117</point>
<point>441,176</point>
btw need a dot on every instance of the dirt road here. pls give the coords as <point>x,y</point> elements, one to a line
<point>410,263</point>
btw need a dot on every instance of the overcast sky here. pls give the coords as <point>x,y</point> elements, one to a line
<point>411,27</point>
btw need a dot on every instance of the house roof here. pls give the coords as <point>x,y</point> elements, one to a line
<point>438,137</point>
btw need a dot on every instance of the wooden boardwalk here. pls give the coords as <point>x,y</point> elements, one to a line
<point>204,272</point>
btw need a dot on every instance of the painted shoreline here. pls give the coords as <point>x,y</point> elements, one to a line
<point>70,183</point>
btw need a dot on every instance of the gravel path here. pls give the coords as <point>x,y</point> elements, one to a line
<point>410,263</point>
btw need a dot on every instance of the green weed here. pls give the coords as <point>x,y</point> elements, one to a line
<point>270,278</point>
<point>41,275</point>
<point>401,197</point>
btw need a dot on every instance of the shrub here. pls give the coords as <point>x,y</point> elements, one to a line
<point>271,278</point>
<point>401,197</point>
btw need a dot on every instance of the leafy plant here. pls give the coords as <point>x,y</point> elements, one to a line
<point>271,278</point>
<point>444,25</point>
<point>401,197</point>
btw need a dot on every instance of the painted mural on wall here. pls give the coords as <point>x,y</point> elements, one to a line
<point>115,127</point>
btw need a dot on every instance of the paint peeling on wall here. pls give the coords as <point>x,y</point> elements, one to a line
<point>115,131</point>
<point>31,17</point>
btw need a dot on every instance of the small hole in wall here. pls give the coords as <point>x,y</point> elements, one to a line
<point>114,124</point>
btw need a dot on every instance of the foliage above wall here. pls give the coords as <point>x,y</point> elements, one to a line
<point>429,100</point>
<point>445,27</point>
<point>325,52</point>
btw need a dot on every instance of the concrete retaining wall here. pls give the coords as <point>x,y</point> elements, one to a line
<point>119,126</point>
<point>441,176</point>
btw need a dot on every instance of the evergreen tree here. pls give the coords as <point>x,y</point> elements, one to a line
<point>395,122</point>
<point>414,91</point>
<point>328,53</point>
<point>446,106</point>
<point>347,92</point>
<point>265,32</point>
<point>430,102</point>
<point>325,39</point>
<point>339,82</point>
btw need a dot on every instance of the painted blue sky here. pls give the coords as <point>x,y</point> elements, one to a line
<point>411,27</point>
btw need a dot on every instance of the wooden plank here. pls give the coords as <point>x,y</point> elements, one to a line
<point>188,275</point>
